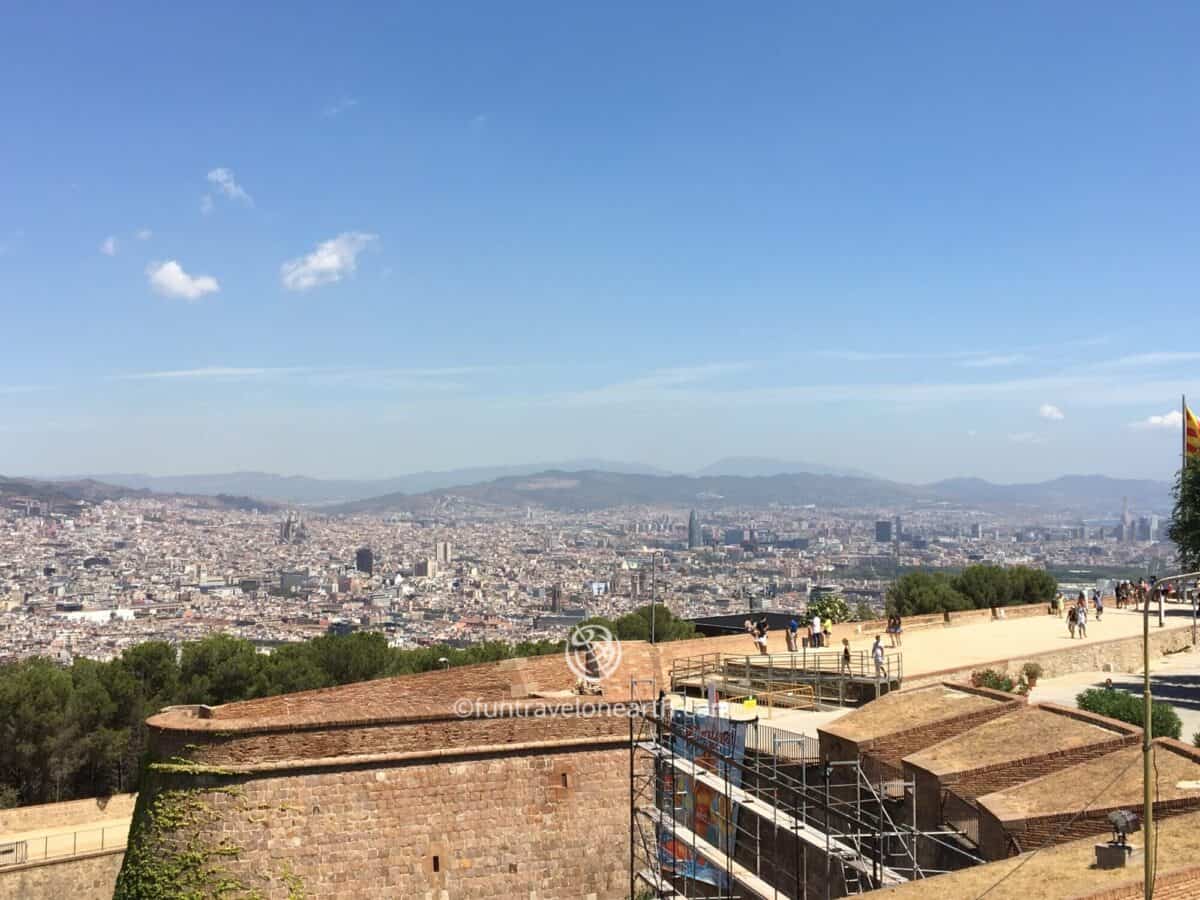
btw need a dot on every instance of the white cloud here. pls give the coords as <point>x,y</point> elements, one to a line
<point>1173,419</point>
<point>109,246</point>
<point>206,204</point>
<point>330,262</point>
<point>1050,411</point>
<point>169,279</point>
<point>144,235</point>
<point>227,185</point>
<point>339,106</point>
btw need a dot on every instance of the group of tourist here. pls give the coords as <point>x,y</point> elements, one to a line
<point>820,634</point>
<point>1128,593</point>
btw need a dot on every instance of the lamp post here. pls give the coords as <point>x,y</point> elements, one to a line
<point>1147,745</point>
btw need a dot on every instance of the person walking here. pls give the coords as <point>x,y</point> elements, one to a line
<point>844,662</point>
<point>1099,605</point>
<point>877,656</point>
<point>793,631</point>
<point>827,633</point>
<point>1081,616</point>
<point>1071,620</point>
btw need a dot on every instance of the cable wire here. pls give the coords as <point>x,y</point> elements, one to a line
<point>1053,838</point>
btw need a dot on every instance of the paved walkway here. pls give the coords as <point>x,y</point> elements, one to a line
<point>1175,679</point>
<point>67,840</point>
<point>934,649</point>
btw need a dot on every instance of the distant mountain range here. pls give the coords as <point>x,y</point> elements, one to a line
<point>69,492</point>
<point>303,490</point>
<point>588,490</point>
<point>587,484</point>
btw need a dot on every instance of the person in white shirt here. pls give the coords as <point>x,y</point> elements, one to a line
<point>816,630</point>
<point>877,655</point>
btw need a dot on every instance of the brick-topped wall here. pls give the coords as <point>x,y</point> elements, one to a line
<point>886,752</point>
<point>530,825</point>
<point>432,734</point>
<point>1026,764</point>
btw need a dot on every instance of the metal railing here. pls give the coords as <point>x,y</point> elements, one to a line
<point>67,844</point>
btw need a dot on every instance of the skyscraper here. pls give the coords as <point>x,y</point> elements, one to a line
<point>883,531</point>
<point>443,552</point>
<point>695,539</point>
<point>364,560</point>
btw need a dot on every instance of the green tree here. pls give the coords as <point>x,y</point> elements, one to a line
<point>863,612</point>
<point>636,626</point>
<point>34,695</point>
<point>220,669</point>
<point>833,608</point>
<point>921,593</point>
<point>1184,527</point>
<point>983,586</point>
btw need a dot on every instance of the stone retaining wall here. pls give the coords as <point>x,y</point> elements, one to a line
<point>89,876</point>
<point>70,812</point>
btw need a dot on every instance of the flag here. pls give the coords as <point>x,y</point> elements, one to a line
<point>1191,434</point>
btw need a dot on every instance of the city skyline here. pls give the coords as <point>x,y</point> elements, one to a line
<point>859,239</point>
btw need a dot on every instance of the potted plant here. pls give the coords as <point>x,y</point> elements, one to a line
<point>1032,672</point>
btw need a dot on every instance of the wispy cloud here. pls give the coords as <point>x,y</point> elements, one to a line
<point>225,182</point>
<point>338,107</point>
<point>660,381</point>
<point>993,362</point>
<point>424,379</point>
<point>170,280</point>
<point>1173,419</point>
<point>206,372</point>
<point>1051,412</point>
<point>329,262</point>
<point>1151,360</point>
<point>1026,437</point>
<point>144,234</point>
<point>109,246</point>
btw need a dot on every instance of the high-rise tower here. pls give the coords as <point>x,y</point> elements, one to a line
<point>695,539</point>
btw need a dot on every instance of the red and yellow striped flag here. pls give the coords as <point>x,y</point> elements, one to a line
<point>1191,433</point>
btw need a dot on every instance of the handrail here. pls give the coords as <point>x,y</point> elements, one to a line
<point>25,850</point>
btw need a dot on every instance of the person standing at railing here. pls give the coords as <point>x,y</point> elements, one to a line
<point>827,633</point>
<point>793,634</point>
<point>816,630</point>
<point>877,655</point>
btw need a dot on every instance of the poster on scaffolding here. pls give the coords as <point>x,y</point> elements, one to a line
<point>704,740</point>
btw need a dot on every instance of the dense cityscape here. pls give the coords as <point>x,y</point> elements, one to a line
<point>92,579</point>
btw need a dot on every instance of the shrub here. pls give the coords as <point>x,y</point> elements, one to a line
<point>832,608</point>
<point>1128,708</point>
<point>1032,671</point>
<point>990,678</point>
<point>1196,738</point>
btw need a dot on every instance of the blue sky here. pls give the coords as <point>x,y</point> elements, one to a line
<point>923,240</point>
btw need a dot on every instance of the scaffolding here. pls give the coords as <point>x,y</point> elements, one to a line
<point>736,810</point>
<point>804,679</point>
